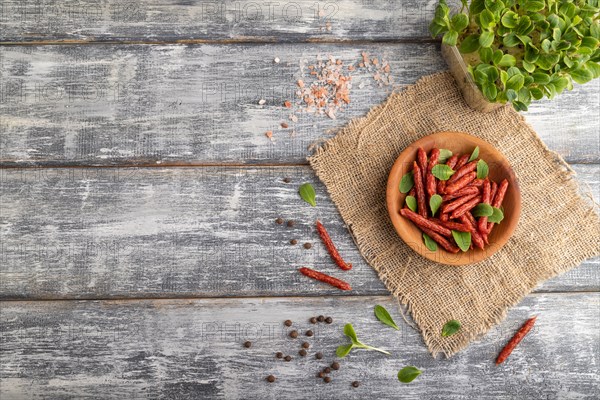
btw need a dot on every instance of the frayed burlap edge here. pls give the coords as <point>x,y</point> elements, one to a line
<point>451,345</point>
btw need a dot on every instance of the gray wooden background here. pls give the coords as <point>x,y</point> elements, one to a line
<point>139,193</point>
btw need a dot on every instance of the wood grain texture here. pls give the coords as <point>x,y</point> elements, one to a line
<point>198,104</point>
<point>210,20</point>
<point>192,349</point>
<point>178,232</point>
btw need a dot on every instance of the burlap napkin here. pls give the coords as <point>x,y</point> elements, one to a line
<point>558,228</point>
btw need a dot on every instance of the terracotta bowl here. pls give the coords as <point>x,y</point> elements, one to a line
<point>499,169</point>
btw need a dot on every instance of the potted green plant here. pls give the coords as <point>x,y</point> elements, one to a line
<point>516,51</point>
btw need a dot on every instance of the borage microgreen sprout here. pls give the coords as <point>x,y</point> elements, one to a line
<point>343,350</point>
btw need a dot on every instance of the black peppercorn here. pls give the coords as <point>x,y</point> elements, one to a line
<point>294,334</point>
<point>313,320</point>
<point>248,344</point>
<point>328,320</point>
<point>309,333</point>
<point>318,356</point>
<point>302,352</point>
<point>355,384</point>
<point>320,318</point>
<point>327,379</point>
<point>279,221</point>
<point>287,322</point>
<point>279,354</point>
<point>270,378</point>
<point>335,365</point>
<point>307,245</point>
<point>288,358</point>
<point>306,345</point>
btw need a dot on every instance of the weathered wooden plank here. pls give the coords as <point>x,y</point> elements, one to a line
<point>191,349</point>
<point>173,20</point>
<point>176,104</point>
<point>178,232</point>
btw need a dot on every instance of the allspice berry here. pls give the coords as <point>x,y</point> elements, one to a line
<point>319,355</point>
<point>248,344</point>
<point>288,358</point>
<point>291,223</point>
<point>327,370</point>
<point>320,375</point>
<point>328,320</point>
<point>279,354</point>
<point>307,245</point>
<point>302,353</point>
<point>327,379</point>
<point>309,333</point>
<point>270,379</point>
<point>335,365</point>
<point>320,318</point>
<point>306,345</point>
<point>293,242</point>
<point>287,322</point>
<point>355,384</point>
<point>279,221</point>
<point>313,320</point>
<point>294,334</point>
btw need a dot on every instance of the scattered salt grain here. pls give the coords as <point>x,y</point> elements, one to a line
<point>326,88</point>
<point>276,60</point>
<point>262,102</point>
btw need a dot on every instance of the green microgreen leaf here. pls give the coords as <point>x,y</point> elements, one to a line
<point>582,74</point>
<point>308,194</point>
<point>445,154</point>
<point>442,172</point>
<point>482,169</point>
<point>474,154</point>
<point>497,216</point>
<point>343,350</point>
<point>510,19</point>
<point>408,374</point>
<point>407,182</point>
<point>384,316</point>
<point>507,60</point>
<point>459,22</point>
<point>486,19</point>
<point>533,6</point>
<point>490,91</point>
<point>349,331</point>
<point>434,203</point>
<point>469,44</point>
<point>482,210</point>
<point>411,202</point>
<point>450,328</point>
<point>486,39</point>
<point>429,243</point>
<point>450,38</point>
<point>462,239</point>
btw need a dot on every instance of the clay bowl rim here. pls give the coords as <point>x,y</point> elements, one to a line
<point>412,236</point>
